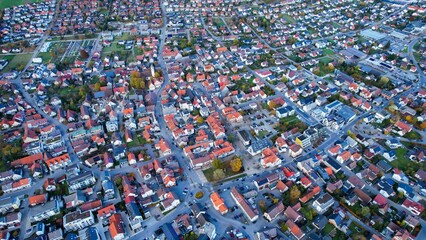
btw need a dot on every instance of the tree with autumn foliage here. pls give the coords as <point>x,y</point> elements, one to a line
<point>136,80</point>
<point>236,164</point>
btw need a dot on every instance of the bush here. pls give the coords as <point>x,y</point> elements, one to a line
<point>199,195</point>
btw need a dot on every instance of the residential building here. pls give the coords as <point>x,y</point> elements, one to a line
<point>78,220</point>
<point>81,181</point>
<point>303,141</point>
<point>250,213</point>
<point>274,211</point>
<point>218,203</point>
<point>323,203</point>
<point>116,228</point>
<point>45,211</point>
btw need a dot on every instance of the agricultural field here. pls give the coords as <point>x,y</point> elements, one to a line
<point>11,3</point>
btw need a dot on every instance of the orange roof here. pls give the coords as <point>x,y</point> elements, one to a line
<point>37,199</point>
<point>310,194</point>
<point>128,111</point>
<point>59,159</point>
<point>115,226</point>
<point>28,160</point>
<point>22,182</point>
<point>345,155</point>
<point>218,202</point>
<point>281,186</point>
<point>335,149</point>
<point>106,210</point>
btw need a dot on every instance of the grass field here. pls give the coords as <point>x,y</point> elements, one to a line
<point>328,51</point>
<point>11,3</point>
<point>289,18</point>
<point>16,60</point>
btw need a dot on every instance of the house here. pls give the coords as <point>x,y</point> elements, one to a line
<point>10,219</point>
<point>310,194</point>
<point>170,201</point>
<point>75,199</point>
<point>167,176</point>
<point>108,160</point>
<point>295,230</point>
<point>269,159</point>
<point>131,158</point>
<point>45,211</point>
<point>18,185</point>
<point>355,182</point>
<point>145,191</point>
<point>295,151</point>
<point>414,207</point>
<point>344,156</point>
<point>163,147</point>
<point>362,196</point>
<point>9,204</point>
<point>218,203</point>
<point>293,214</point>
<point>81,181</point>
<point>145,172</point>
<point>49,185</point>
<point>382,202</point>
<point>319,222</point>
<point>403,128</point>
<point>78,220</point>
<point>250,213</point>
<point>274,211</point>
<point>323,203</point>
<point>116,228</point>
<point>106,212</point>
<point>37,199</point>
<point>135,216</point>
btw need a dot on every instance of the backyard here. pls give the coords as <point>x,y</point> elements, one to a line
<point>402,162</point>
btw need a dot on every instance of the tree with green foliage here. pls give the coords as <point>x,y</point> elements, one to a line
<point>97,86</point>
<point>365,211</point>
<point>190,236</point>
<point>136,81</point>
<point>217,164</point>
<point>294,194</point>
<point>218,174</point>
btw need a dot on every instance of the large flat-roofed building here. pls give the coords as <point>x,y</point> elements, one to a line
<point>372,35</point>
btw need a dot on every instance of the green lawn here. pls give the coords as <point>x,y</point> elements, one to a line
<point>336,25</point>
<point>328,51</point>
<point>356,229</point>
<point>326,60</point>
<point>16,61</point>
<point>413,135</point>
<point>288,18</point>
<point>11,3</point>
<point>402,162</point>
<point>327,229</point>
